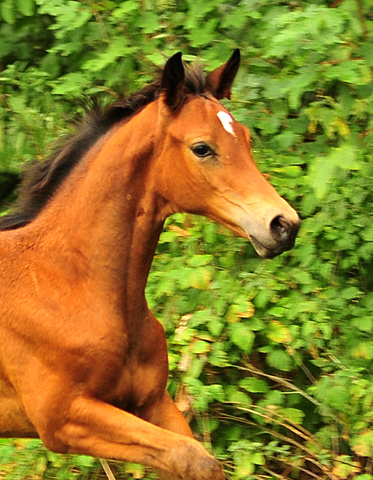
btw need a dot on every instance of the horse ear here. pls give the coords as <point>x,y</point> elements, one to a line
<point>172,81</point>
<point>220,81</point>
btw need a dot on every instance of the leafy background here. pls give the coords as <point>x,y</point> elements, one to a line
<point>271,361</point>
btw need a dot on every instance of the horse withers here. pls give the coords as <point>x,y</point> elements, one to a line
<point>83,362</point>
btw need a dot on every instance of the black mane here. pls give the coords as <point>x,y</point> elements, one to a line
<point>42,179</point>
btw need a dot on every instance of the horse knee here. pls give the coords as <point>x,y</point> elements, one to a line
<point>53,443</point>
<point>60,436</point>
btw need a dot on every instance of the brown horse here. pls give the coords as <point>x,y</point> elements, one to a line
<point>83,362</point>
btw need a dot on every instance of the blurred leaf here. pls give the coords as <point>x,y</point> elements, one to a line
<point>279,333</point>
<point>240,398</point>
<point>26,7</point>
<point>118,48</point>
<point>242,336</point>
<point>323,169</point>
<point>293,415</point>
<point>254,385</point>
<point>279,360</point>
<point>7,11</point>
<point>344,466</point>
<point>200,260</point>
<point>363,444</point>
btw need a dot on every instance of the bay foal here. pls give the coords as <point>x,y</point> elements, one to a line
<point>83,362</point>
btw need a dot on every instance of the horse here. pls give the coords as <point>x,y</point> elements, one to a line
<point>83,361</point>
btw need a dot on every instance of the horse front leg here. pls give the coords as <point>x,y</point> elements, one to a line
<point>101,430</point>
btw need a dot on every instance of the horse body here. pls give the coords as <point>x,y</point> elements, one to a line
<point>86,308</point>
<point>83,362</point>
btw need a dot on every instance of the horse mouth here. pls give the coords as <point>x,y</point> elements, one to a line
<point>266,252</point>
<point>260,249</point>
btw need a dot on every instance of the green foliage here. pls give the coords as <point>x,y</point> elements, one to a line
<point>272,360</point>
<point>28,459</point>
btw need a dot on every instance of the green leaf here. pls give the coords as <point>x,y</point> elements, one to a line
<point>279,333</point>
<point>294,415</point>
<point>246,456</point>
<point>299,84</point>
<point>26,7</point>
<point>205,34</point>
<point>7,11</point>
<point>333,392</point>
<point>84,461</point>
<point>254,385</point>
<point>200,346</point>
<point>217,392</point>
<point>280,360</point>
<point>242,308</point>
<point>125,8</point>
<point>118,48</point>
<point>348,71</point>
<point>322,169</point>
<point>196,367</point>
<point>363,350</point>
<point>363,444</point>
<point>255,324</point>
<point>199,278</point>
<point>150,22</point>
<point>367,234</point>
<point>240,398</point>
<point>244,467</point>
<point>242,336</point>
<point>350,293</point>
<point>345,467</point>
<point>218,356</point>
<point>367,52</point>
<point>215,326</point>
<point>365,324</point>
<point>200,260</point>
<point>71,84</point>
<point>258,458</point>
<point>263,297</point>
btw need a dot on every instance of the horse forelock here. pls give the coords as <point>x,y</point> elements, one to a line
<point>42,178</point>
<point>195,82</point>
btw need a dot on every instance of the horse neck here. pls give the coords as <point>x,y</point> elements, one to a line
<point>108,217</point>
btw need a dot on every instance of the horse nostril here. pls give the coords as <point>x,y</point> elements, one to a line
<point>281,228</point>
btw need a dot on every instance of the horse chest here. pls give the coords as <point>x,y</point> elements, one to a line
<point>127,367</point>
<point>139,387</point>
<point>142,378</point>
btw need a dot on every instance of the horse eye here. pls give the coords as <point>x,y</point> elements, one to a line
<point>202,150</point>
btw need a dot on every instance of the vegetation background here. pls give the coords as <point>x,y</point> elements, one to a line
<point>271,360</point>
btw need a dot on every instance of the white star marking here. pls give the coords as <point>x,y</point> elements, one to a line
<point>226,121</point>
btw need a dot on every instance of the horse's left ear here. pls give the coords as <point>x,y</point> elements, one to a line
<point>172,81</point>
<point>220,81</point>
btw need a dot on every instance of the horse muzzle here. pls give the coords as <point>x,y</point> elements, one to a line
<point>279,237</point>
